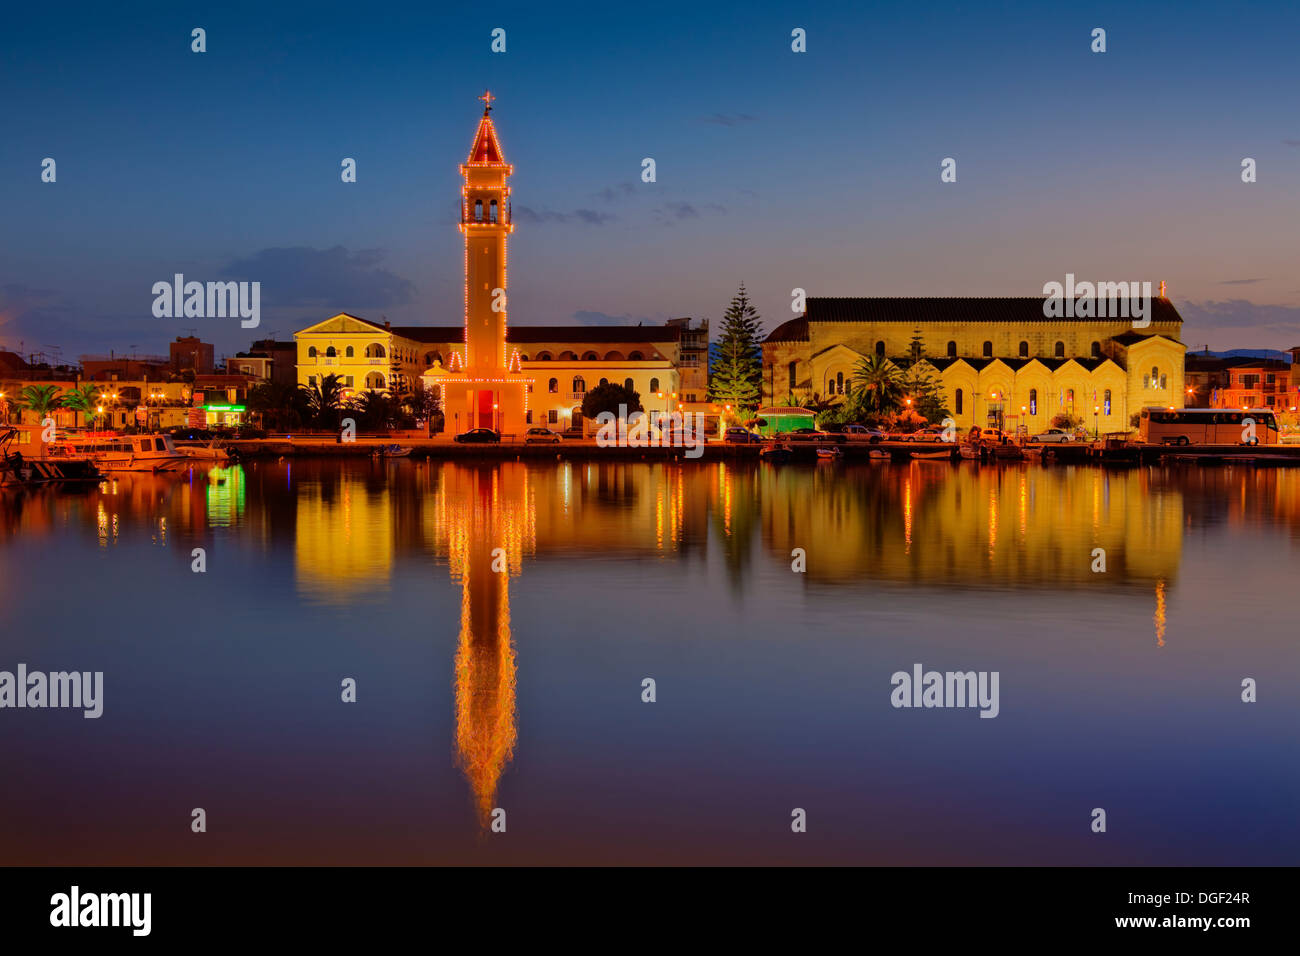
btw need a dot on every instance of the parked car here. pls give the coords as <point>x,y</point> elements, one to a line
<point>1053,435</point>
<point>813,434</point>
<point>477,435</point>
<point>863,433</point>
<point>900,435</point>
<point>742,436</point>
<point>537,435</point>
<point>929,433</point>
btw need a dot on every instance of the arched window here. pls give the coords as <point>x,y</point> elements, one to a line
<point>579,386</point>
<point>1106,401</point>
<point>492,211</point>
<point>1164,383</point>
<point>567,356</point>
<point>553,385</point>
<point>839,382</point>
<point>635,357</point>
<point>1059,350</point>
<point>543,356</point>
<point>311,351</point>
<point>375,351</point>
<point>958,401</point>
<point>331,352</point>
<point>1096,350</point>
<point>627,384</point>
<point>478,209</point>
<point>880,349</point>
<point>1155,372</point>
<point>350,352</point>
<point>988,349</point>
<point>1033,401</point>
<point>375,380</point>
<point>790,370</point>
<point>952,350</point>
<point>614,357</point>
<point>1024,350</point>
<point>1069,399</point>
<point>590,357</point>
<point>604,381</point>
<point>654,384</point>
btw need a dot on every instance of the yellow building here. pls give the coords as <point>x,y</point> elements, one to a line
<point>999,361</point>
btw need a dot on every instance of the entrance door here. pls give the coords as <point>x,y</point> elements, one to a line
<point>995,415</point>
<point>485,417</point>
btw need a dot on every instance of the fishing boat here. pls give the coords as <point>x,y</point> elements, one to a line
<point>394,451</point>
<point>878,454</point>
<point>1006,452</point>
<point>774,452</point>
<point>970,452</point>
<point>945,455</point>
<point>829,453</point>
<point>214,450</point>
<point>15,469</point>
<point>111,452</point>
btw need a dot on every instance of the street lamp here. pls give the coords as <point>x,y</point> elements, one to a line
<point>1096,428</point>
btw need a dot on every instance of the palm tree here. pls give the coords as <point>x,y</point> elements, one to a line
<point>280,406</point>
<point>877,385</point>
<point>324,400</point>
<point>83,399</point>
<point>40,399</point>
<point>375,409</point>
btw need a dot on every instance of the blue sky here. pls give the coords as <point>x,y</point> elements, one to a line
<point>817,170</point>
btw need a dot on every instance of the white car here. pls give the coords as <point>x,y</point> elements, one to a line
<point>863,433</point>
<point>1053,434</point>
<point>535,435</point>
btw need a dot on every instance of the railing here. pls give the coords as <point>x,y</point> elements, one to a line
<point>376,361</point>
<point>577,396</point>
<point>329,361</point>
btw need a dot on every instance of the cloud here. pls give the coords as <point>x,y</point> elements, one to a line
<point>1240,281</point>
<point>589,217</point>
<point>1291,142</point>
<point>335,279</point>
<point>671,212</point>
<point>1248,324</point>
<point>728,119</point>
<point>615,193</point>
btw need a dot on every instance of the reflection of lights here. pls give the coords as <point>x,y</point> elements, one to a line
<point>1160,613</point>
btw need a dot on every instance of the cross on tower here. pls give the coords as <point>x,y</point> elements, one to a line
<point>487,99</point>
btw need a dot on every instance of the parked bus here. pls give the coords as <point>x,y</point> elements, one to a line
<point>1208,426</point>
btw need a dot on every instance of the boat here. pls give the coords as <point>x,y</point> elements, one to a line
<point>970,452</point>
<point>111,452</point>
<point>394,451</point>
<point>879,454</point>
<point>1006,452</point>
<point>774,451</point>
<point>830,453</point>
<point>945,455</point>
<point>15,469</point>
<point>214,450</point>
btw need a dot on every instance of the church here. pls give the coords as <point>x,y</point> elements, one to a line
<point>1000,362</point>
<point>486,372</point>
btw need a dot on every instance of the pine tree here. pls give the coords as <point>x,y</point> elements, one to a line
<point>736,369</point>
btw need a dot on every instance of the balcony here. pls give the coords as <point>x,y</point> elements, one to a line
<point>576,396</point>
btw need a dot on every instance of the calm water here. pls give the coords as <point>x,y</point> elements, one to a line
<point>522,690</point>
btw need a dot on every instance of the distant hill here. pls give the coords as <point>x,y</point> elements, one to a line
<point>1243,353</point>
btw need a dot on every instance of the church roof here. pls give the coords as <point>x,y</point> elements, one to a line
<point>533,334</point>
<point>950,309</point>
<point>796,330</point>
<point>486,149</point>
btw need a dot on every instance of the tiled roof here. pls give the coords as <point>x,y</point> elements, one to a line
<point>533,334</point>
<point>920,310</point>
<point>796,330</point>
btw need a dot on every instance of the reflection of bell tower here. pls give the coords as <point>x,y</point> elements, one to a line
<point>487,513</point>
<point>485,223</point>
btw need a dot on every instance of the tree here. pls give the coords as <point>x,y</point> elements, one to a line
<point>736,362</point>
<point>281,406</point>
<point>877,385</point>
<point>426,403</point>
<point>1067,421</point>
<point>927,397</point>
<point>374,409</point>
<point>39,399</point>
<point>608,398</point>
<point>83,399</point>
<point>324,400</point>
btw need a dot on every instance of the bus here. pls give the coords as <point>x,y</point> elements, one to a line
<point>1208,426</point>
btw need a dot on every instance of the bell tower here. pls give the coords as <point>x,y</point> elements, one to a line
<point>485,223</point>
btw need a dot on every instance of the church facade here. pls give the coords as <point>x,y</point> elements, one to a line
<point>999,361</point>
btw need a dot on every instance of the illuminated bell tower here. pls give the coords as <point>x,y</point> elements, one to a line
<point>483,386</point>
<point>485,223</point>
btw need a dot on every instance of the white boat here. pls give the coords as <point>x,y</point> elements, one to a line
<point>831,453</point>
<point>151,452</point>
<point>878,454</point>
<point>214,450</point>
<point>945,455</point>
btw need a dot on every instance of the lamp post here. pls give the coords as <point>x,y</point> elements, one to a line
<point>1096,426</point>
